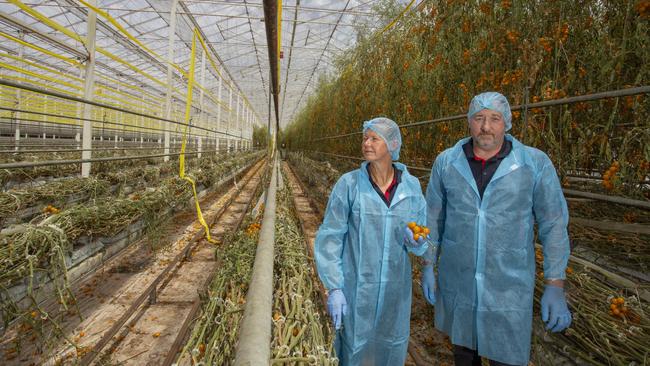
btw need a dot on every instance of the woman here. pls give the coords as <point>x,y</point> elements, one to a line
<point>361,255</point>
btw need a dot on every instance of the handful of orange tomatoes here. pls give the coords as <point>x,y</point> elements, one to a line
<point>418,231</point>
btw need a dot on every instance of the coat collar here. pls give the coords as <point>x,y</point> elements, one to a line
<point>510,163</point>
<point>402,192</point>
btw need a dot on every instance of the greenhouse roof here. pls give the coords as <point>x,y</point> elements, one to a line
<point>132,47</point>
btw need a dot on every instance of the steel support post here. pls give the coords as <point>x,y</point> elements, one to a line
<point>89,84</point>
<point>170,61</point>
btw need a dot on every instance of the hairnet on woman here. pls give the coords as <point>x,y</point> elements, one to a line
<point>362,256</point>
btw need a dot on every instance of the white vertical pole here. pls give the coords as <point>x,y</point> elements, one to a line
<point>89,82</point>
<point>229,117</point>
<point>170,61</point>
<point>21,52</point>
<point>237,117</point>
<point>218,114</point>
<point>201,105</point>
<point>142,110</point>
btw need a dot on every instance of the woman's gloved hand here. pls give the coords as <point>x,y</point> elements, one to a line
<point>337,307</point>
<point>410,241</point>
<point>428,280</point>
<point>555,312</point>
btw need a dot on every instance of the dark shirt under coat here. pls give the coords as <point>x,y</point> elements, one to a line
<point>483,170</point>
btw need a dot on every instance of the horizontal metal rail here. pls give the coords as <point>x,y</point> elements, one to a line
<point>568,192</point>
<point>95,149</point>
<point>70,127</point>
<point>548,103</point>
<point>362,159</point>
<point>81,119</point>
<point>96,104</point>
<point>95,160</point>
<point>606,198</point>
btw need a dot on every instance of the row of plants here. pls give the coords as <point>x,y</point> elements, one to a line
<point>54,195</point>
<point>318,177</point>
<point>611,324</point>
<point>18,176</point>
<point>438,56</point>
<point>301,329</point>
<point>36,252</point>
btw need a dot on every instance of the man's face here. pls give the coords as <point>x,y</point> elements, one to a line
<point>488,129</point>
<point>373,146</point>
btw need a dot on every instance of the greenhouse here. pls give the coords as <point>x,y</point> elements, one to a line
<point>320,182</point>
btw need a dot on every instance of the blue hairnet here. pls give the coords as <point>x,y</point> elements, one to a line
<point>493,101</point>
<point>389,131</point>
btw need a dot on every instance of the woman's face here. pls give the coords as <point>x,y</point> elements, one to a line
<point>373,146</point>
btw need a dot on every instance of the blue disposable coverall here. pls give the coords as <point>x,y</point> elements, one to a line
<point>359,248</point>
<point>486,267</point>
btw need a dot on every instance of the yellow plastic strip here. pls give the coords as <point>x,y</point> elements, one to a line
<point>43,50</point>
<point>141,72</point>
<point>54,25</point>
<point>117,25</point>
<point>46,20</point>
<point>39,76</point>
<point>214,66</point>
<point>130,87</point>
<point>106,16</point>
<point>100,50</point>
<point>42,67</point>
<point>30,81</point>
<point>391,24</point>
<point>103,96</point>
<point>188,109</point>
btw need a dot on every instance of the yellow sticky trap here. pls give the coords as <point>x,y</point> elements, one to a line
<point>181,159</point>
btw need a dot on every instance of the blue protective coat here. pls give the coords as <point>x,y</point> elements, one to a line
<point>359,248</point>
<point>486,267</point>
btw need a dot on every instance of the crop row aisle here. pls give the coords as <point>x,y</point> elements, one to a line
<point>74,268</point>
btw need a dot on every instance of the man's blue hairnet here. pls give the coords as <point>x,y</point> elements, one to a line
<point>493,101</point>
<point>389,131</point>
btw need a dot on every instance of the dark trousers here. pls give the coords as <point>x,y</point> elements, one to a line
<point>464,356</point>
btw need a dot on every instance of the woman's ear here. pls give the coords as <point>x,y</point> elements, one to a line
<point>393,146</point>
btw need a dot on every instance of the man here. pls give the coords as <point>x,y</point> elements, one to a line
<point>361,256</point>
<point>483,198</point>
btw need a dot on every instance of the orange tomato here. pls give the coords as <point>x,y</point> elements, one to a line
<point>426,231</point>
<point>411,225</point>
<point>416,230</point>
<point>416,237</point>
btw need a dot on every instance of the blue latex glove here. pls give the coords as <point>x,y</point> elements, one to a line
<point>337,307</point>
<point>408,239</point>
<point>555,312</point>
<point>428,284</point>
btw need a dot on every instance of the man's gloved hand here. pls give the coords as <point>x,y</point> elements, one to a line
<point>555,312</point>
<point>428,284</point>
<point>410,242</point>
<point>337,307</point>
